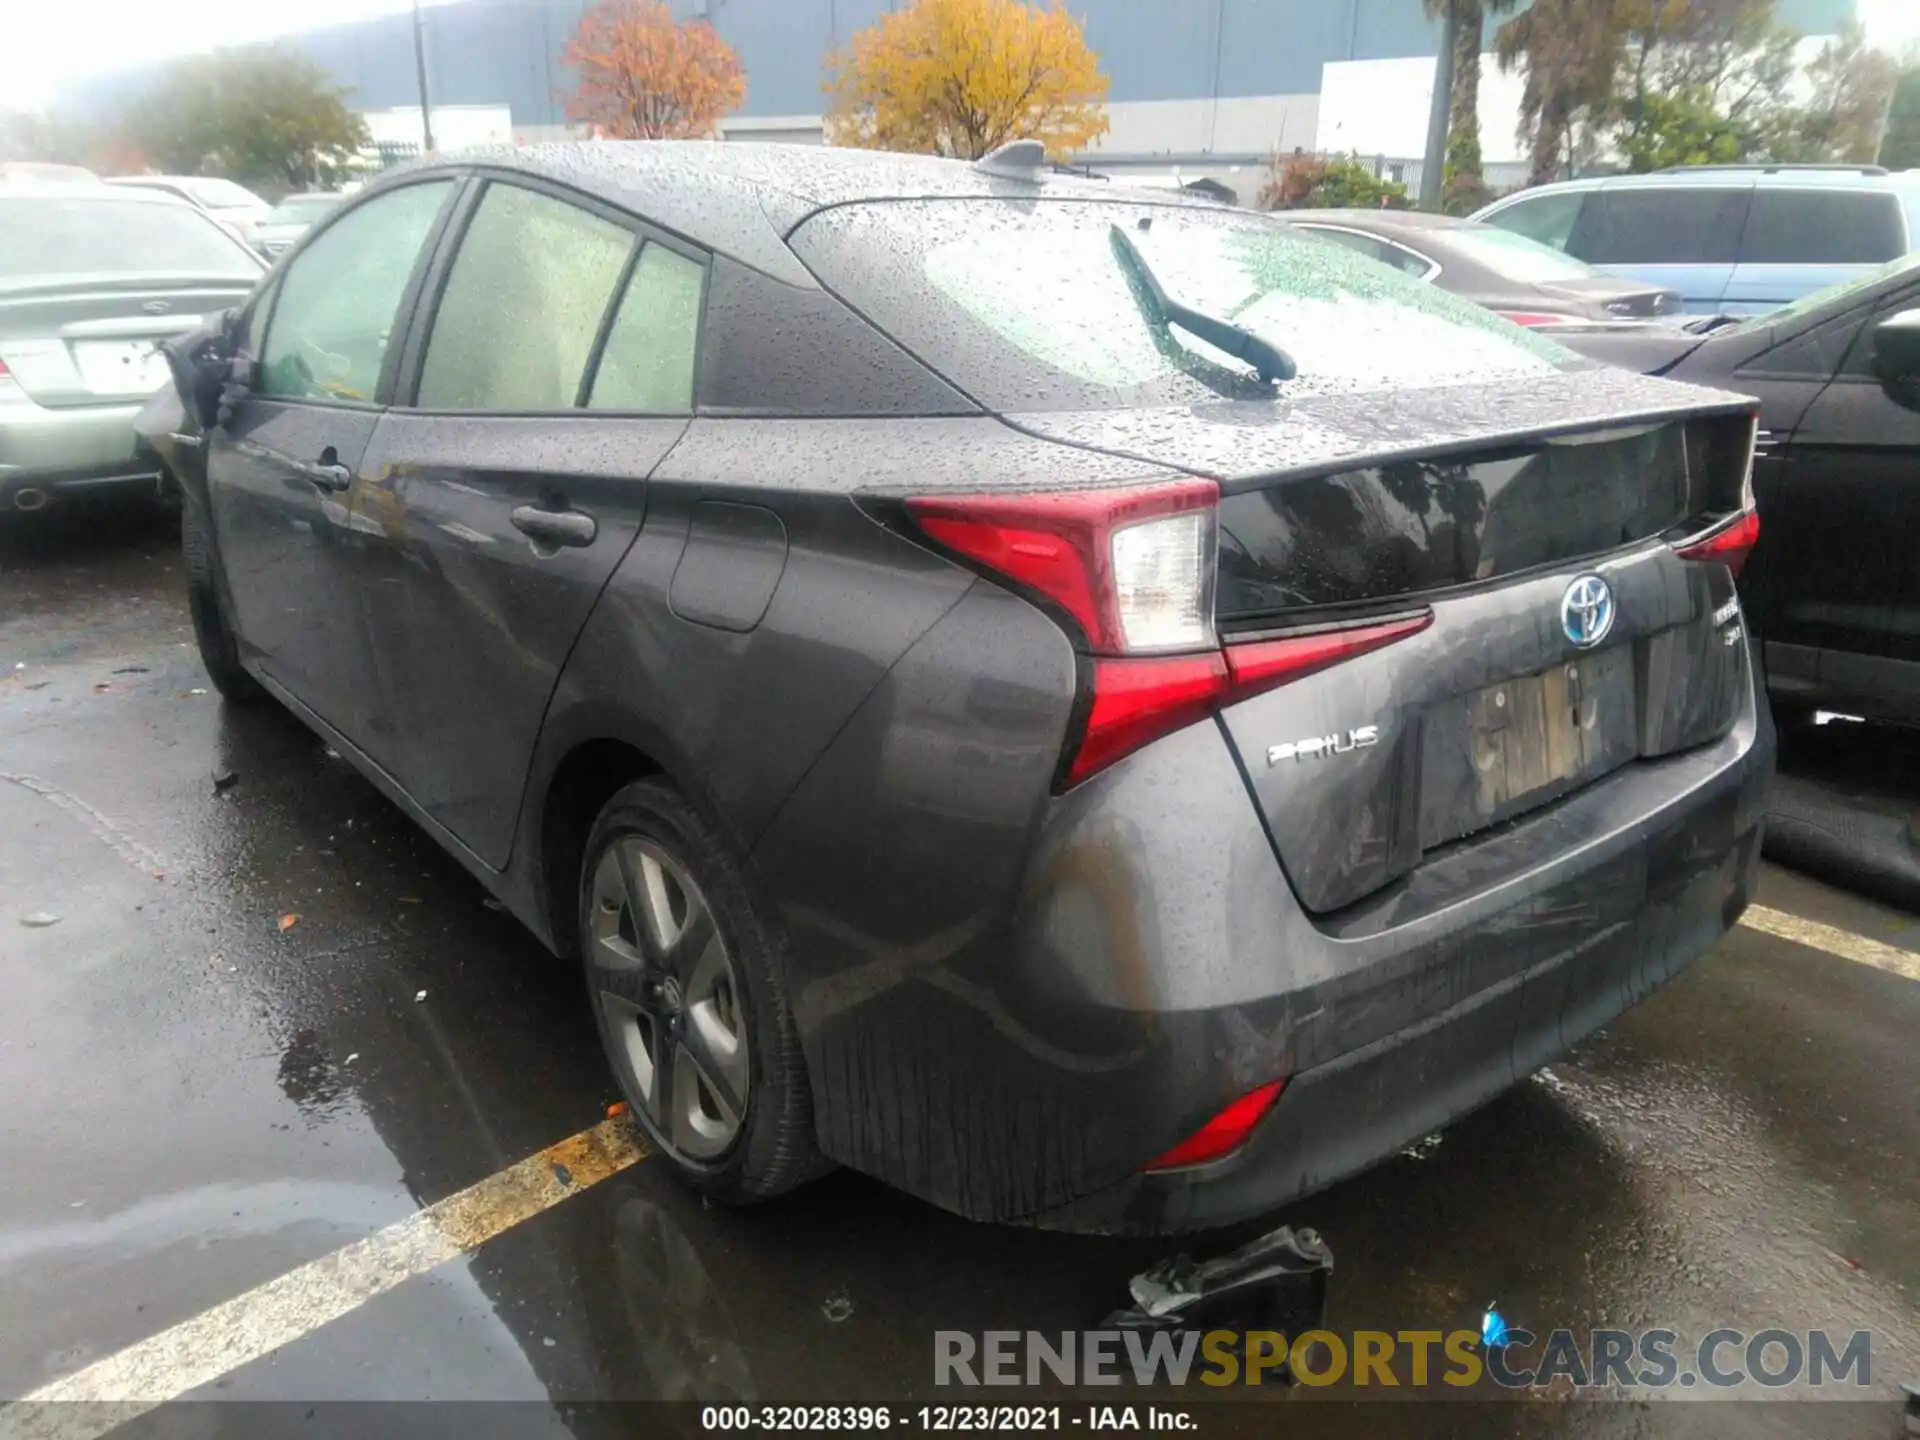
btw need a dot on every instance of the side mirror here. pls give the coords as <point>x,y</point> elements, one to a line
<point>1896,347</point>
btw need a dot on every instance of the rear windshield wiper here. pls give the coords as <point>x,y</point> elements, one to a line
<point>1269,361</point>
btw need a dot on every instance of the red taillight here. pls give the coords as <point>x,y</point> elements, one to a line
<point>1082,550</point>
<point>1729,544</point>
<point>1224,1133</point>
<point>1534,318</point>
<point>1131,570</point>
<point>1136,701</point>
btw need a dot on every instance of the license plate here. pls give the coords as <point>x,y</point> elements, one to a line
<point>1541,734</point>
<point>121,367</point>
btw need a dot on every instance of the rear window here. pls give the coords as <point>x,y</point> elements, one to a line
<point>1823,227</point>
<point>1027,306</point>
<point>48,237</point>
<point>303,209</point>
<point>1690,226</point>
<point>218,194</point>
<point>1515,257</point>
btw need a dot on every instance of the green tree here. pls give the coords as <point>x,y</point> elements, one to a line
<point>1464,185</point>
<point>1901,148</point>
<point>259,115</point>
<point>1307,182</point>
<point>1664,131</point>
<point>1852,85</point>
<point>1729,55</point>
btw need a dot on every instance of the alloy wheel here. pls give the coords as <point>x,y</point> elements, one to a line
<point>669,999</point>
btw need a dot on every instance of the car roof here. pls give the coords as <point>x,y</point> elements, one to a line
<point>81,190</point>
<point>1731,177</point>
<point>742,198</point>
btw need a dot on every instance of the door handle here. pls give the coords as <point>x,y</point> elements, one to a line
<point>333,478</point>
<point>555,527</point>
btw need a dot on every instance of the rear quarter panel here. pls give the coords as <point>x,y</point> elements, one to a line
<point>737,704</point>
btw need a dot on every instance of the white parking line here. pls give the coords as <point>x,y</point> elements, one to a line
<point>249,1327</point>
<point>1833,940</point>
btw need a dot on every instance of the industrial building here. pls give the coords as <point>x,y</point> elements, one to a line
<point>1198,86</point>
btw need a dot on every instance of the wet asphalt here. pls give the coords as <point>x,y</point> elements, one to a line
<point>198,1094</point>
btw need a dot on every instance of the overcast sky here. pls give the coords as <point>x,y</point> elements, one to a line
<point>47,41</point>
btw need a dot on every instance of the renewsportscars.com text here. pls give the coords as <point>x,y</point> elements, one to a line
<point>1617,1359</point>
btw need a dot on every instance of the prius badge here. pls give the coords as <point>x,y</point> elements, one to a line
<point>1315,747</point>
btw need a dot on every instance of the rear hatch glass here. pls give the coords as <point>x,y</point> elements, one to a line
<point>1027,308</point>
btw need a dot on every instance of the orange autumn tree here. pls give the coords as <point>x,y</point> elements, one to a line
<point>643,76</point>
<point>960,77</point>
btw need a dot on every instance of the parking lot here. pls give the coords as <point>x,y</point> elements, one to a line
<point>255,1024</point>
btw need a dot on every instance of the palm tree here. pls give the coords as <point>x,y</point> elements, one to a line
<point>1466,22</point>
<point>1572,50</point>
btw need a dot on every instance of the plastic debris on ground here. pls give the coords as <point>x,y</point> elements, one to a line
<point>1277,1282</point>
<point>1493,1329</point>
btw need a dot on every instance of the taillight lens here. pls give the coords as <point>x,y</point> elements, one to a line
<point>1132,568</point>
<point>1130,574</point>
<point>1225,1132</point>
<point>1729,543</point>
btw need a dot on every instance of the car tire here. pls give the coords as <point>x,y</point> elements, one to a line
<point>689,989</point>
<point>219,651</point>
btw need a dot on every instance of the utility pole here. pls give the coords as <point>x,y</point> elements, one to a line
<point>1434,166</point>
<point>420,72</point>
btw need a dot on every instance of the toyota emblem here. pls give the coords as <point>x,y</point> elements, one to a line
<point>1586,611</point>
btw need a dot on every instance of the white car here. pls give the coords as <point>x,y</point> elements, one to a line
<point>236,209</point>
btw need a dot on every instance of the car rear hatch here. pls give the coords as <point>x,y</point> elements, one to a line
<point>1508,618</point>
<point>96,341</point>
<point>1402,496</point>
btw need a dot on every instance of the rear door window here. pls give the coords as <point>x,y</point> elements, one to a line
<point>1823,227</point>
<point>647,365</point>
<point>1661,226</point>
<point>1549,219</point>
<point>523,303</point>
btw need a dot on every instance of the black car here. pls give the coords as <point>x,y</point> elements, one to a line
<point>1519,279</point>
<point>1078,703</point>
<point>1833,587</point>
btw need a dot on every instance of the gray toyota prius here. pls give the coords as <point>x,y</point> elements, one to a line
<point>1078,703</point>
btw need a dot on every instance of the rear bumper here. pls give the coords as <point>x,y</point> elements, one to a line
<point>1607,896</point>
<point>1340,1117</point>
<point>1009,1009</point>
<point>50,454</point>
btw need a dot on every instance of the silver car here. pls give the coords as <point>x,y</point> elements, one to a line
<point>291,219</point>
<point>91,281</point>
<point>233,207</point>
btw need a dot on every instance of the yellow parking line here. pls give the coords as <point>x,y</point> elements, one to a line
<point>248,1327</point>
<point>1833,940</point>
